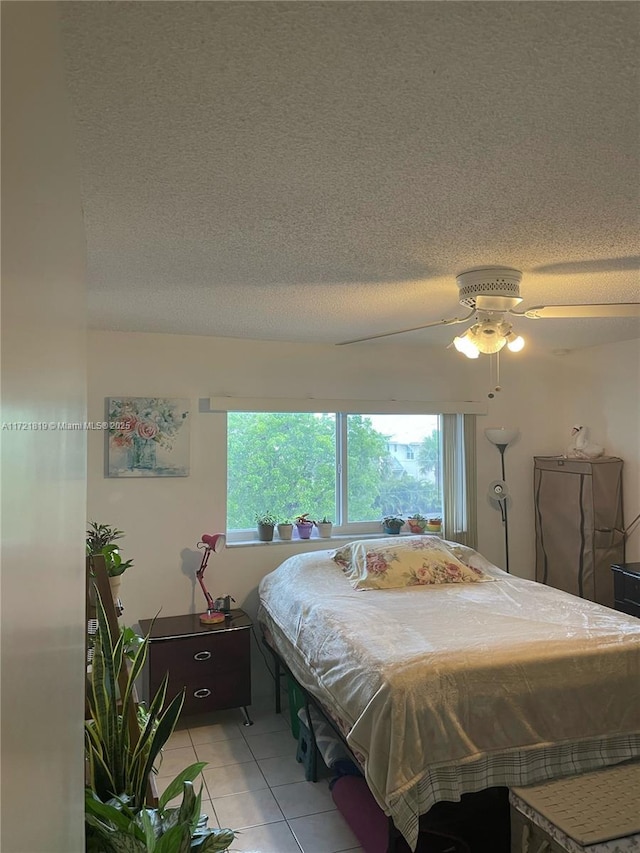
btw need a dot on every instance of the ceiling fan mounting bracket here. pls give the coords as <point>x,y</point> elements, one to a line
<point>490,288</point>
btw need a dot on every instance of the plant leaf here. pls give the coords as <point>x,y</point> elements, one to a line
<point>166,724</point>
<point>105,812</point>
<point>144,821</point>
<point>177,785</point>
<point>214,841</point>
<point>173,840</point>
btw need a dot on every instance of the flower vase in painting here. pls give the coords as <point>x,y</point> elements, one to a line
<point>142,453</point>
<point>148,437</point>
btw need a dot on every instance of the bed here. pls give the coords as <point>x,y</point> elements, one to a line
<point>445,688</point>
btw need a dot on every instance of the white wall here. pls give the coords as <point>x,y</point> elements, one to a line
<point>164,518</point>
<point>43,472</point>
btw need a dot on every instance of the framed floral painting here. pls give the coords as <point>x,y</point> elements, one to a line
<point>148,437</point>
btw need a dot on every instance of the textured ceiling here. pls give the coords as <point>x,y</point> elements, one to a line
<point>313,171</point>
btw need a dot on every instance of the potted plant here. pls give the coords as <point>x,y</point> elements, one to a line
<point>122,743</point>
<point>392,524</point>
<point>304,525</point>
<point>266,523</point>
<point>115,827</point>
<point>100,540</point>
<point>285,529</point>
<point>324,528</point>
<point>417,523</point>
<point>120,758</point>
<point>434,525</point>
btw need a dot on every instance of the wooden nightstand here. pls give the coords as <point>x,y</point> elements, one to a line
<point>212,662</point>
<point>626,587</point>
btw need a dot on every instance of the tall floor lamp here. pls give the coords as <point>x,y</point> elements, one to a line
<point>502,438</point>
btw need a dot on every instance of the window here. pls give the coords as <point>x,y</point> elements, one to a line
<point>351,468</point>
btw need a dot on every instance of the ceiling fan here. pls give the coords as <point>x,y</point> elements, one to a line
<point>492,294</point>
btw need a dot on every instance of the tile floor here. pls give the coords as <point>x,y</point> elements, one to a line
<point>253,784</point>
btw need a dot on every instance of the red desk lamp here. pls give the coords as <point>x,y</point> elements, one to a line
<point>210,542</point>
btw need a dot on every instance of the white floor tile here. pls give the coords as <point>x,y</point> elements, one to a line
<point>207,808</point>
<point>234,779</point>
<point>174,761</point>
<point>223,752</point>
<point>303,798</point>
<point>264,722</point>
<point>271,744</point>
<point>251,809</point>
<point>213,733</point>
<point>272,838</point>
<point>281,771</point>
<point>178,739</point>
<point>323,833</point>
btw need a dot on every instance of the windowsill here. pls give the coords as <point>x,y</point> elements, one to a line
<point>317,540</point>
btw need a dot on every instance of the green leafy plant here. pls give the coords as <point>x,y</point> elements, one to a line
<point>303,519</point>
<point>100,540</point>
<point>120,758</point>
<point>392,522</point>
<point>266,518</point>
<point>324,520</point>
<point>113,827</point>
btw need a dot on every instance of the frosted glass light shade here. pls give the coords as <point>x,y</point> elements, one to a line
<point>466,347</point>
<point>487,336</point>
<point>515,342</point>
<point>501,435</point>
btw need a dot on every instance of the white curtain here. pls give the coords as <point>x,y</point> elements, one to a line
<point>459,478</point>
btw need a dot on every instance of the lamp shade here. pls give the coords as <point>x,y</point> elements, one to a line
<point>501,435</point>
<point>214,541</point>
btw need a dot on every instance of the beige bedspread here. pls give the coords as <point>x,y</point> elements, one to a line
<point>433,679</point>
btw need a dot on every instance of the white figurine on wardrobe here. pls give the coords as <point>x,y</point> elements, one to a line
<point>581,447</point>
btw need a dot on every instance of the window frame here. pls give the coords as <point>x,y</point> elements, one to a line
<point>341,526</point>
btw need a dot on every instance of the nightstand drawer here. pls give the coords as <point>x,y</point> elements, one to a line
<point>213,693</point>
<point>626,585</point>
<point>207,654</point>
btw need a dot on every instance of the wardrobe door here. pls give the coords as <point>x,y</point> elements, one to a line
<point>578,506</point>
<point>564,520</point>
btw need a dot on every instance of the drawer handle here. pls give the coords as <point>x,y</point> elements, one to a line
<point>202,693</point>
<point>202,656</point>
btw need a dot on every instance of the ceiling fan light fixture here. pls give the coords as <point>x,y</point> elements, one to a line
<point>488,336</point>
<point>515,343</point>
<point>464,345</point>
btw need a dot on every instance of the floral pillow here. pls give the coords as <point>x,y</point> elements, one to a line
<point>414,561</point>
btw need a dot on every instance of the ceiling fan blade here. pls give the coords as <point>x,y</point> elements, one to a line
<point>605,309</point>
<point>414,329</point>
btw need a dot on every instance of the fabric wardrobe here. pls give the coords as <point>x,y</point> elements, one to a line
<point>579,524</point>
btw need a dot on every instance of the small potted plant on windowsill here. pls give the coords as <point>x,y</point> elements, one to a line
<point>417,523</point>
<point>434,525</point>
<point>285,529</point>
<point>304,525</point>
<point>266,522</point>
<point>324,528</point>
<point>392,524</point>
